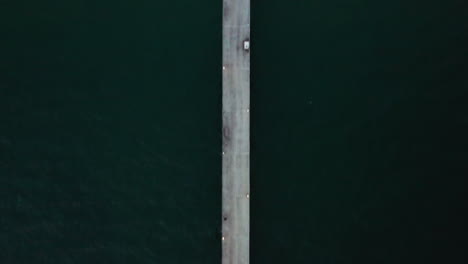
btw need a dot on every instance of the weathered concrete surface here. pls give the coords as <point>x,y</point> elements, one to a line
<point>236,132</point>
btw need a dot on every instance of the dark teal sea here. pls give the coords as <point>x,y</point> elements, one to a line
<point>110,132</point>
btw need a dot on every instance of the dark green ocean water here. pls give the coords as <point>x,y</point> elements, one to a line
<point>359,131</point>
<point>110,120</point>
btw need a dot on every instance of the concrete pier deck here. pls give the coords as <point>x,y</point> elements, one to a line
<point>236,132</point>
